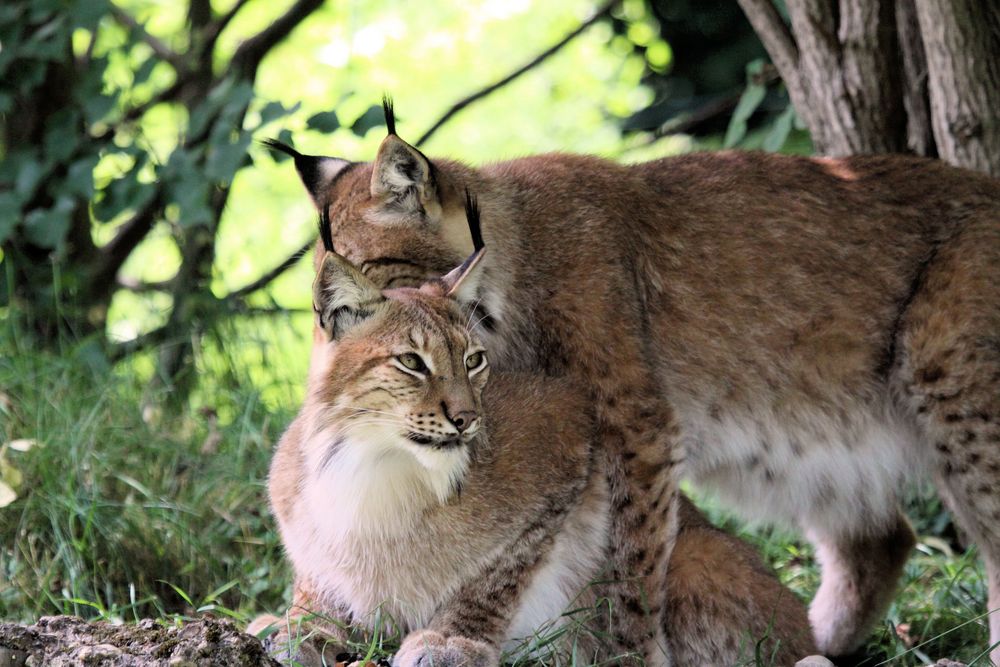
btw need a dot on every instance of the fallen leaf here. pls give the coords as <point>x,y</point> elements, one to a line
<point>22,445</point>
<point>7,495</point>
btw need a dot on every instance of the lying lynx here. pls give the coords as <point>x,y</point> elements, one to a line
<point>473,517</point>
<point>799,335</point>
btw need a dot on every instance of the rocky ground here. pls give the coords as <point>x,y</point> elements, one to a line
<point>64,641</point>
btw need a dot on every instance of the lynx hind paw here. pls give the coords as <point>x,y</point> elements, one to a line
<point>427,648</point>
<point>288,645</point>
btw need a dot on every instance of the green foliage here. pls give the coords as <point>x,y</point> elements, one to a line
<point>118,510</point>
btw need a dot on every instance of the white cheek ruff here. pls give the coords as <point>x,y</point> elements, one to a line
<point>369,493</point>
<point>376,482</point>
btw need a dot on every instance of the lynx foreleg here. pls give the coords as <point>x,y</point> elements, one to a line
<point>642,448</point>
<point>467,630</point>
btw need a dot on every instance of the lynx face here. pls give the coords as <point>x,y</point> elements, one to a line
<point>409,377</point>
<point>396,379</point>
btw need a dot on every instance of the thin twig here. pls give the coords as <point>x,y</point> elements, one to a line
<point>129,235</point>
<point>601,13</point>
<point>271,275</point>
<point>249,54</point>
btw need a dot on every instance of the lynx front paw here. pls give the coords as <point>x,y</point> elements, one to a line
<point>426,648</point>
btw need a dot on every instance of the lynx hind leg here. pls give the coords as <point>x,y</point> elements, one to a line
<point>950,371</point>
<point>860,575</point>
<point>722,601</point>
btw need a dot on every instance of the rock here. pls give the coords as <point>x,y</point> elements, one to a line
<point>67,641</point>
<point>814,661</point>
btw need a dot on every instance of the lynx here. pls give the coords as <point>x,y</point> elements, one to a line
<point>473,512</point>
<point>800,335</point>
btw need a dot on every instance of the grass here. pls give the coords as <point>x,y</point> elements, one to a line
<point>121,516</point>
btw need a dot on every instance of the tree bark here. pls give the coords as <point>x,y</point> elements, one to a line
<point>891,76</point>
<point>962,43</point>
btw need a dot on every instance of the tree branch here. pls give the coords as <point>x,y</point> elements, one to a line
<point>605,10</point>
<point>159,48</point>
<point>131,233</point>
<point>133,285</point>
<point>152,338</point>
<point>249,54</point>
<point>221,23</point>
<point>271,275</point>
<point>775,35</point>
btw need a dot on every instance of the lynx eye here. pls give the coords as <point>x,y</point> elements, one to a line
<point>412,361</point>
<point>475,360</point>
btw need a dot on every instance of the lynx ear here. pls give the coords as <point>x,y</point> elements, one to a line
<point>342,296</point>
<point>462,283</point>
<point>317,173</point>
<point>402,176</point>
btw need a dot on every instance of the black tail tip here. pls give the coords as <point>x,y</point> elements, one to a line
<point>276,145</point>
<point>472,217</point>
<point>390,113</point>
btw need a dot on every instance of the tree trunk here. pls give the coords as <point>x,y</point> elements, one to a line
<point>891,76</point>
<point>962,42</point>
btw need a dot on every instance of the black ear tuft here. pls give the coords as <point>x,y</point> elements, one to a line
<point>317,173</point>
<point>390,113</point>
<point>325,232</point>
<point>472,217</point>
<point>276,145</point>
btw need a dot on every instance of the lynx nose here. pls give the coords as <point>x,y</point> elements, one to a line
<point>463,420</point>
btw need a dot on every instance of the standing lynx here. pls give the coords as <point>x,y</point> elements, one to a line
<point>799,335</point>
<point>473,513</point>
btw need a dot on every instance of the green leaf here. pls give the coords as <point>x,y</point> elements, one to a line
<point>143,72</point>
<point>373,117</point>
<point>275,110</point>
<point>751,98</point>
<point>96,107</point>
<point>325,121</point>
<point>62,135</point>
<point>776,137</point>
<point>46,228</point>
<point>10,213</point>
<point>123,193</point>
<point>80,177</point>
<point>224,159</point>
<point>87,13</point>
<point>30,172</point>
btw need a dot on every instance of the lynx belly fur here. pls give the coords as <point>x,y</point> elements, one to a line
<point>800,335</point>
<point>472,515</point>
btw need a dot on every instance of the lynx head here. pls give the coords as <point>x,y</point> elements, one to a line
<point>397,373</point>
<point>399,218</point>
